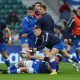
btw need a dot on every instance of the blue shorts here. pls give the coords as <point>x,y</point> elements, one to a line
<point>28,41</point>
<point>36,66</point>
<point>59,46</point>
<point>77,43</point>
<point>2,47</point>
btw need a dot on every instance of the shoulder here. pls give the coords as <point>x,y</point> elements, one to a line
<point>47,15</point>
<point>25,19</point>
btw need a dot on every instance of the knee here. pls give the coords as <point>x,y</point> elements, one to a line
<point>21,64</point>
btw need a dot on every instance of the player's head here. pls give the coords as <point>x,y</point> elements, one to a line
<point>30,11</point>
<point>37,30</point>
<point>37,4</point>
<point>37,7</point>
<point>42,9</point>
<point>58,58</point>
<point>78,11</point>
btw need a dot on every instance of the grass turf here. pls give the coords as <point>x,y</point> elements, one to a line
<point>66,73</point>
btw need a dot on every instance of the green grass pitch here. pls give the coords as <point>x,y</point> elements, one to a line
<point>66,73</point>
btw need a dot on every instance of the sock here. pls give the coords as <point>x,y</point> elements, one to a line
<point>14,71</point>
<point>74,58</point>
<point>14,67</point>
<point>7,62</point>
<point>79,62</point>
<point>53,64</point>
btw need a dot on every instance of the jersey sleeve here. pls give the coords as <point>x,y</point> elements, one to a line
<point>69,29</point>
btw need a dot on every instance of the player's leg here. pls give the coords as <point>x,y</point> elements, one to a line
<point>23,66</point>
<point>27,66</point>
<point>78,53</point>
<point>20,70</point>
<point>77,45</point>
<point>75,66</point>
<point>4,55</point>
<point>56,48</point>
<point>65,53</point>
<point>17,65</point>
<point>24,44</point>
<point>6,60</point>
<point>27,63</point>
<point>60,47</point>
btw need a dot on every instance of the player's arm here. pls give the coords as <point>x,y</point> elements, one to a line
<point>9,34</point>
<point>70,25</point>
<point>38,57</point>
<point>29,56</point>
<point>67,37</point>
<point>25,28</point>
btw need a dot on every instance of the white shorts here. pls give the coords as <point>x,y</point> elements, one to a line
<point>28,64</point>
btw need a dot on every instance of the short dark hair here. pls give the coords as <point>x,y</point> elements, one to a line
<point>36,27</point>
<point>38,3</point>
<point>60,57</point>
<point>31,8</point>
<point>43,6</point>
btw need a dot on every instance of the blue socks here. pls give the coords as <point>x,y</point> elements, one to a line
<point>14,71</point>
<point>53,65</point>
<point>7,62</point>
<point>74,58</point>
<point>14,67</point>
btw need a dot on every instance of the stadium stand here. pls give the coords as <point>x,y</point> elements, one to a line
<point>9,6</point>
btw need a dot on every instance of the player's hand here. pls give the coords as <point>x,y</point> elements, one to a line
<point>66,41</point>
<point>34,49</point>
<point>28,56</point>
<point>9,42</point>
<point>25,35</point>
<point>29,51</point>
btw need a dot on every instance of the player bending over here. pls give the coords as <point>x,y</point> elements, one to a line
<point>53,43</point>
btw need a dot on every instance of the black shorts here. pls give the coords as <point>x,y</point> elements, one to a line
<point>43,68</point>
